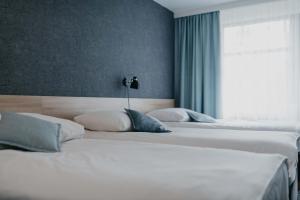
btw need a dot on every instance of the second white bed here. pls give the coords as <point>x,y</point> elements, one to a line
<point>252,141</point>
<point>285,126</point>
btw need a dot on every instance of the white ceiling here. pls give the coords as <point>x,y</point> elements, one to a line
<point>176,5</point>
<point>190,7</point>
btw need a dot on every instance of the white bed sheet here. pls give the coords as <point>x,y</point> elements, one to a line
<point>251,141</point>
<point>125,170</point>
<point>285,126</point>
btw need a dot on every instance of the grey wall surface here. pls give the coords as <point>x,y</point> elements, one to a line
<point>85,47</point>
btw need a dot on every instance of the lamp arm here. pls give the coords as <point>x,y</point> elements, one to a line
<point>128,97</point>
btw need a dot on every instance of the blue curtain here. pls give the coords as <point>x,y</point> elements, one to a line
<point>197,62</point>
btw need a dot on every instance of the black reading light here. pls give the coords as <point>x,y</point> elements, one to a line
<point>133,84</point>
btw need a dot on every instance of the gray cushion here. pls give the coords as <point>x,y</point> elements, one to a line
<point>143,123</point>
<point>200,117</point>
<point>7,147</point>
<point>28,133</point>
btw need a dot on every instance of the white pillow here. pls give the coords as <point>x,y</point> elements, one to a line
<point>105,121</point>
<point>69,129</point>
<point>170,115</point>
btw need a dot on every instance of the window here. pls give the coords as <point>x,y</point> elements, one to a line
<point>260,69</point>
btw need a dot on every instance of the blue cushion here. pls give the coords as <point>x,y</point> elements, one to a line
<point>28,133</point>
<point>7,147</point>
<point>200,117</point>
<point>144,123</point>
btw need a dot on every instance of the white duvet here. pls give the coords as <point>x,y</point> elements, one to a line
<point>285,126</point>
<point>123,170</point>
<point>252,141</point>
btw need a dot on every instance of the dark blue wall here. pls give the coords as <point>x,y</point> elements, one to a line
<point>85,47</point>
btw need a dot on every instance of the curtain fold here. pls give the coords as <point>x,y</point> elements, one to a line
<point>197,62</point>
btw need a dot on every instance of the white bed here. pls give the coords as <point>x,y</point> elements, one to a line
<point>107,169</point>
<point>252,141</point>
<point>89,169</point>
<point>285,126</point>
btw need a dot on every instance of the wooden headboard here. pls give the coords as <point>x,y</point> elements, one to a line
<point>68,107</point>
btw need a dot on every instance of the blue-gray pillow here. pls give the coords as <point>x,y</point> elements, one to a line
<point>200,117</point>
<point>143,123</point>
<point>28,133</point>
<point>7,147</point>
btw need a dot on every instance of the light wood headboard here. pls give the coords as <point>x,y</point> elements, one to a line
<point>68,107</point>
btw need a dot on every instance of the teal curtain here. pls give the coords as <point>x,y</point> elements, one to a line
<point>197,62</point>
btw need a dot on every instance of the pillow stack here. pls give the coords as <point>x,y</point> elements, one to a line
<point>69,129</point>
<point>120,121</point>
<point>180,115</point>
<point>28,133</point>
<point>144,123</point>
<point>36,132</point>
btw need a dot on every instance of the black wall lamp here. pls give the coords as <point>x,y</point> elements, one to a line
<point>132,83</point>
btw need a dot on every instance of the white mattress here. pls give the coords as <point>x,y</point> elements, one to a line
<point>124,170</point>
<point>251,141</point>
<point>285,126</point>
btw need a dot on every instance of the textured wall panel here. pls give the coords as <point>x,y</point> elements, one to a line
<point>85,47</point>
